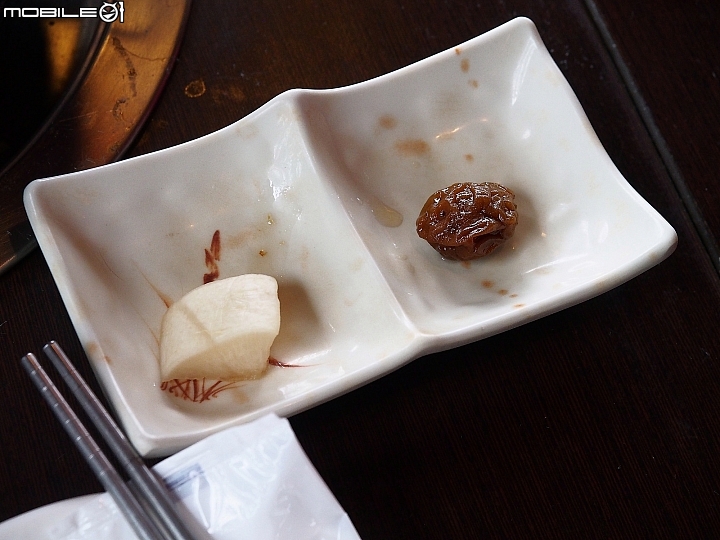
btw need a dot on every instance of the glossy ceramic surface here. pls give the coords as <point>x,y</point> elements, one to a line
<point>321,189</point>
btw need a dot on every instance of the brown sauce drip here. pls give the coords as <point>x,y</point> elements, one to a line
<point>412,147</point>
<point>387,122</point>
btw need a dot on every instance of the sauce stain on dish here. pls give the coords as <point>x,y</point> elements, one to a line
<point>237,240</point>
<point>488,284</point>
<point>387,121</point>
<point>386,216</point>
<point>412,147</point>
<point>92,348</point>
<point>469,158</point>
<point>465,65</point>
<point>473,83</point>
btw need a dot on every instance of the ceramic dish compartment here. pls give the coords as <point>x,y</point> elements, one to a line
<point>321,189</point>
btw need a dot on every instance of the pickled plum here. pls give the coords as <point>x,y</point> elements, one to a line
<point>466,221</point>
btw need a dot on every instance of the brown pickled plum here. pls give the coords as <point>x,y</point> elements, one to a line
<point>465,221</point>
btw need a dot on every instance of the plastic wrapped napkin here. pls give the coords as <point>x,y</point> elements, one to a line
<point>248,482</point>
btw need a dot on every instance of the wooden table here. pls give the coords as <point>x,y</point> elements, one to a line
<point>601,421</point>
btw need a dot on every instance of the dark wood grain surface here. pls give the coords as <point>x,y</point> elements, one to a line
<point>674,67</point>
<point>601,421</point>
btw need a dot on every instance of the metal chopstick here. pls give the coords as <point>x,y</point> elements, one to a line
<point>149,485</point>
<point>109,478</point>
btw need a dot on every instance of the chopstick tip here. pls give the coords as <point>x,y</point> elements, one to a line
<point>29,360</point>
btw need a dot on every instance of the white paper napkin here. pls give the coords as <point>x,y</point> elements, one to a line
<point>248,482</point>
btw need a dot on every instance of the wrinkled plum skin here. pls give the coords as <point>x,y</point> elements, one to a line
<point>465,221</point>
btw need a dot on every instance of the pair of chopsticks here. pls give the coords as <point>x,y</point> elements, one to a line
<point>148,507</point>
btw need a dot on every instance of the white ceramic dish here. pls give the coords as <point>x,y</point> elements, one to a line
<point>321,189</point>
